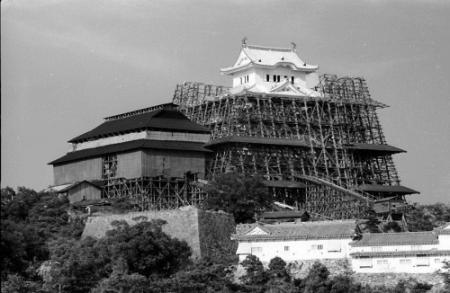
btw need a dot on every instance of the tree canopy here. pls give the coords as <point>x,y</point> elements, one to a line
<point>243,196</point>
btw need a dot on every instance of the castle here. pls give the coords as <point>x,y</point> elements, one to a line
<point>315,139</point>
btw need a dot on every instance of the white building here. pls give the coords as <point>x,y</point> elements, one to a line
<point>296,241</point>
<point>407,252</point>
<point>272,70</point>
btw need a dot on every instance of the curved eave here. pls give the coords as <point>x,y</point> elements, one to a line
<point>234,69</point>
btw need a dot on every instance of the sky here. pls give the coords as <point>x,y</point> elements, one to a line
<point>66,64</point>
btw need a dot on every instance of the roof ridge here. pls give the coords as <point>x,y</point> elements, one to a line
<point>269,48</point>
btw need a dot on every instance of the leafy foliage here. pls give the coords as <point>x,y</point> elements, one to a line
<point>255,274</point>
<point>427,217</point>
<point>147,249</point>
<point>242,196</point>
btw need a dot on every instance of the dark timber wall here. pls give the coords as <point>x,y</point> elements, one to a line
<point>90,169</point>
<point>172,163</point>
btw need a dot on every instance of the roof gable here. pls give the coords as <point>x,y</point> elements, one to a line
<point>257,231</point>
<point>269,57</point>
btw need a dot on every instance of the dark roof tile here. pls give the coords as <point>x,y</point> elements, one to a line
<point>129,146</point>
<point>161,119</point>
<point>403,238</point>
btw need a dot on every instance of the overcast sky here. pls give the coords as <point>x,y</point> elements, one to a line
<point>67,64</point>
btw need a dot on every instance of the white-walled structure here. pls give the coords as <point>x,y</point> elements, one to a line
<point>405,252</point>
<point>272,70</point>
<point>296,241</point>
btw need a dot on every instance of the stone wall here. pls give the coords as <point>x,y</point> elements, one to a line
<point>300,269</point>
<point>215,229</point>
<point>206,232</point>
<point>181,223</point>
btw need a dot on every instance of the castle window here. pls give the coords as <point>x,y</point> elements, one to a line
<point>240,78</point>
<point>256,250</point>
<point>278,78</point>
<point>267,77</point>
<point>292,79</point>
<point>109,166</point>
<point>274,78</point>
<point>286,248</point>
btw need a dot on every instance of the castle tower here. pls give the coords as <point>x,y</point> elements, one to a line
<point>317,141</point>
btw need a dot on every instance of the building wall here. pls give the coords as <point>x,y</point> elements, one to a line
<point>172,163</point>
<point>129,165</point>
<point>188,223</point>
<point>258,76</point>
<point>146,134</point>
<point>296,249</point>
<point>84,191</point>
<point>90,169</point>
<point>413,264</point>
<point>393,248</point>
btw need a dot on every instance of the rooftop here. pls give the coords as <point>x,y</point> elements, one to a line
<point>130,146</point>
<point>160,119</point>
<point>298,230</point>
<point>391,239</point>
<point>269,57</point>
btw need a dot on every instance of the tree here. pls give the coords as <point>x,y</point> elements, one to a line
<point>147,249</point>
<point>277,269</point>
<point>120,281</point>
<point>255,274</point>
<point>317,279</point>
<point>18,284</point>
<point>77,265</point>
<point>427,217</point>
<point>243,196</point>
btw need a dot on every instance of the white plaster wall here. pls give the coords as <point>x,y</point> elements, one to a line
<point>444,242</point>
<point>298,249</point>
<point>394,248</point>
<point>395,265</point>
<point>156,135</point>
<point>258,76</point>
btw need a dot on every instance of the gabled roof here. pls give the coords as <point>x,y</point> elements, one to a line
<point>401,238</point>
<point>300,230</point>
<point>95,183</point>
<point>130,146</point>
<point>160,119</point>
<point>251,55</point>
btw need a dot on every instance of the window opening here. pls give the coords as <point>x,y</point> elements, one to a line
<point>267,77</point>
<point>109,166</point>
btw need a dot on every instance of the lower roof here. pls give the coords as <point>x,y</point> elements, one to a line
<point>387,189</point>
<point>394,239</point>
<point>130,146</point>
<point>374,148</point>
<point>258,140</point>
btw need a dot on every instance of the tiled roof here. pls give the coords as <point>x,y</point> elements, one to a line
<point>269,56</point>
<point>129,146</point>
<point>387,189</point>
<point>160,119</point>
<point>401,238</point>
<point>96,183</point>
<point>374,148</point>
<point>301,230</point>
